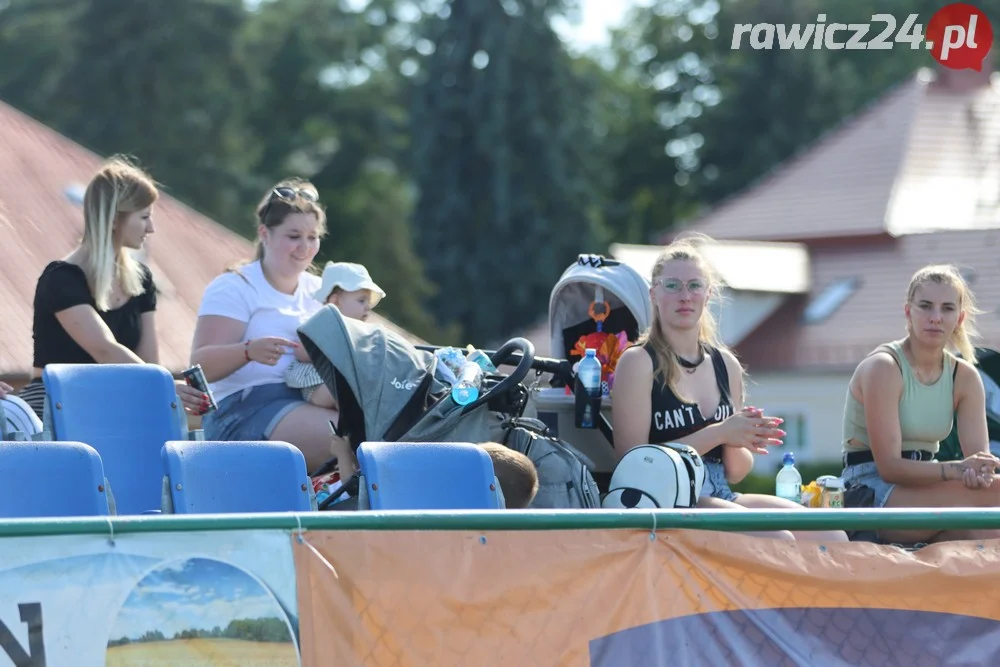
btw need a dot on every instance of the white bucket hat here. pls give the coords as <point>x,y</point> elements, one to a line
<point>348,277</point>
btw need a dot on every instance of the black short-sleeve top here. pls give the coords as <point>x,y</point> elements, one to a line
<point>63,285</point>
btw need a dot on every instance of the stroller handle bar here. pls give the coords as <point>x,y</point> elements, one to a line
<point>560,368</point>
<point>506,354</point>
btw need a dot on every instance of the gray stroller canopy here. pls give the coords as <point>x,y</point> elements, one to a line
<point>379,374</point>
<point>573,294</point>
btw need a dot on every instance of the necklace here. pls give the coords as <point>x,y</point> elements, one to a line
<point>690,366</point>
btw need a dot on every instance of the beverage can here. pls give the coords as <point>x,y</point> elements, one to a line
<point>195,377</point>
<point>833,493</point>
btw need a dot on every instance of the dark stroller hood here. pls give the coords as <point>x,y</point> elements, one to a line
<point>382,370</point>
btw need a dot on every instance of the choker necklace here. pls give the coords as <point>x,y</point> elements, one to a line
<point>690,366</point>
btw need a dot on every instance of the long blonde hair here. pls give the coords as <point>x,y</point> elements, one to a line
<point>667,369</point>
<point>948,274</point>
<point>118,189</point>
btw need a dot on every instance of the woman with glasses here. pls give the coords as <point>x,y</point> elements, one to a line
<point>246,335</point>
<point>681,384</point>
<point>98,304</point>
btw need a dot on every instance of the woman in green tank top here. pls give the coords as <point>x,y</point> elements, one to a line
<point>900,404</point>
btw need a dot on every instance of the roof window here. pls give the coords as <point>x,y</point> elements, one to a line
<point>830,299</point>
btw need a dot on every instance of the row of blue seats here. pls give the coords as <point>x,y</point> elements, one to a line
<point>124,426</point>
<point>59,479</point>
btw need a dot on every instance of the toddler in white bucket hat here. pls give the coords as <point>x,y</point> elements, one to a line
<point>351,289</point>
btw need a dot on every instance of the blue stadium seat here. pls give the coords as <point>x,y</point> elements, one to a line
<point>127,412</point>
<point>51,479</point>
<point>427,476</point>
<point>207,477</point>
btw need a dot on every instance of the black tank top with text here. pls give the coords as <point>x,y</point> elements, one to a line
<point>673,419</point>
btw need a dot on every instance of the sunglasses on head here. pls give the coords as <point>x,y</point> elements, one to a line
<point>286,193</point>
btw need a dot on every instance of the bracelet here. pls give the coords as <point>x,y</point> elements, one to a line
<point>246,349</point>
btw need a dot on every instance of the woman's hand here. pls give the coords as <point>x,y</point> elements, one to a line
<point>194,401</point>
<point>978,470</point>
<point>5,389</point>
<point>269,350</point>
<point>751,430</point>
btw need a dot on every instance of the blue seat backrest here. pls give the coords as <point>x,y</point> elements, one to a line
<point>51,479</point>
<point>428,476</point>
<point>208,477</point>
<point>124,411</point>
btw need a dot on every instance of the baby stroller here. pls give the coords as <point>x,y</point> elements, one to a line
<point>594,297</point>
<point>388,392</point>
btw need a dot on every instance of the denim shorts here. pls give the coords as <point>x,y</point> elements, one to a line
<point>715,482</point>
<point>866,474</point>
<point>251,414</point>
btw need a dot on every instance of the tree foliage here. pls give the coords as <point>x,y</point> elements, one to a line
<point>501,156</point>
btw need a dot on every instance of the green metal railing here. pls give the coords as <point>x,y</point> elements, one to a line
<point>701,519</point>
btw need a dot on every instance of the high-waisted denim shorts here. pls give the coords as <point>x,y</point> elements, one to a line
<point>251,414</point>
<point>715,482</point>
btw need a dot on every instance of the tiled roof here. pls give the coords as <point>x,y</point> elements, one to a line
<point>39,223</point>
<point>922,157</point>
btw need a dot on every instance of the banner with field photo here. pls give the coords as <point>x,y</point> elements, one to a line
<point>196,599</point>
<point>605,598</point>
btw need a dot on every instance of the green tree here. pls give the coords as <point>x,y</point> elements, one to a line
<point>163,82</point>
<point>500,159</point>
<point>35,50</point>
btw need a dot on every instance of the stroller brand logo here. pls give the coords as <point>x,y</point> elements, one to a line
<point>408,385</point>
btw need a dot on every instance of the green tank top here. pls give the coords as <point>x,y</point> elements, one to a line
<point>925,411</point>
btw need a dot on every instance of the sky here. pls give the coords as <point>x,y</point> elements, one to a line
<point>597,17</point>
<point>197,593</point>
<point>592,30</point>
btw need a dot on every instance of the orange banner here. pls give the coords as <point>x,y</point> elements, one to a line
<point>621,599</point>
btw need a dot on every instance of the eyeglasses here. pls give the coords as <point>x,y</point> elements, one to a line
<point>673,286</point>
<point>286,193</point>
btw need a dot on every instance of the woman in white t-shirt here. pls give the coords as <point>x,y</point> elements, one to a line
<point>246,336</point>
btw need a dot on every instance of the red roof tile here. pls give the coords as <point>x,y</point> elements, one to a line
<point>38,224</point>
<point>922,157</point>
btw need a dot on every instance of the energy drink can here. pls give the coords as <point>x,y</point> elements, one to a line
<point>195,377</point>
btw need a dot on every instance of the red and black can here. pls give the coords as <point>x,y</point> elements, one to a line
<point>195,377</point>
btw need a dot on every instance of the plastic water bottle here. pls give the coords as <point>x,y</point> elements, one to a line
<point>589,372</point>
<point>788,483</point>
<point>466,388</point>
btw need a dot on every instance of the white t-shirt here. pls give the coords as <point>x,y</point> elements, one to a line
<point>248,297</point>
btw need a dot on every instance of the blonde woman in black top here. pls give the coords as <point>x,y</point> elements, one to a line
<point>97,305</point>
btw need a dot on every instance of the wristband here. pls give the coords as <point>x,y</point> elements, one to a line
<point>246,349</point>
